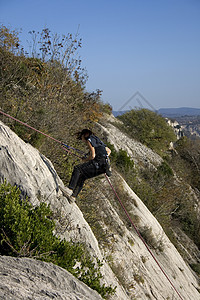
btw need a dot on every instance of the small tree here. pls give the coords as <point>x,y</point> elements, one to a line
<point>28,231</point>
<point>9,39</point>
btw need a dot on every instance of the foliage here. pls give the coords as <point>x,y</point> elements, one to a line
<point>196,268</point>
<point>149,128</point>
<point>46,89</point>
<point>28,231</point>
<point>9,39</point>
<point>170,203</point>
<point>121,159</point>
<point>91,204</point>
<point>164,169</point>
<point>107,108</point>
<point>189,159</point>
<point>138,278</point>
<point>188,218</point>
<point>51,47</point>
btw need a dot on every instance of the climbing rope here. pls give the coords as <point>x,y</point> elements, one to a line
<point>63,145</point>
<point>66,148</point>
<point>140,236</point>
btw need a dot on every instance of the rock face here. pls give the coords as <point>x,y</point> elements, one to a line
<point>23,166</point>
<point>136,150</point>
<point>24,278</point>
<point>139,277</point>
<point>178,129</point>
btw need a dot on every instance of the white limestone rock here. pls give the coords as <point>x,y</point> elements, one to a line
<point>136,150</point>
<point>25,279</point>
<point>144,279</point>
<point>24,166</point>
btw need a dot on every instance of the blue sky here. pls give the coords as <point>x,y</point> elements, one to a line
<point>150,46</point>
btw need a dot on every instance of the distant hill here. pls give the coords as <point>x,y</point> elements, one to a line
<point>178,112</point>
<point>187,117</point>
<point>119,113</point>
<point>170,112</point>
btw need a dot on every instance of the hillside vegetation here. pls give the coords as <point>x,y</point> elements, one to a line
<point>166,190</point>
<point>27,231</point>
<point>46,89</point>
<point>149,128</point>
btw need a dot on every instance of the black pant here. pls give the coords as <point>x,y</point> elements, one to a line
<point>84,171</point>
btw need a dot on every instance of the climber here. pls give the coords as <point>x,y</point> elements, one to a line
<point>96,163</point>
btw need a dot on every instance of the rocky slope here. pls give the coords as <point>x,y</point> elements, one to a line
<point>25,278</point>
<point>24,166</point>
<point>133,269</point>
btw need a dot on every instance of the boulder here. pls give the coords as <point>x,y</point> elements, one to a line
<point>25,279</point>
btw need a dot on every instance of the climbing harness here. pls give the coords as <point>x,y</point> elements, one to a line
<point>66,148</point>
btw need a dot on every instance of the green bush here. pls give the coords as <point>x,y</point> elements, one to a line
<point>28,231</point>
<point>189,159</point>
<point>164,170</point>
<point>121,159</point>
<point>187,215</point>
<point>25,230</point>
<point>149,128</point>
